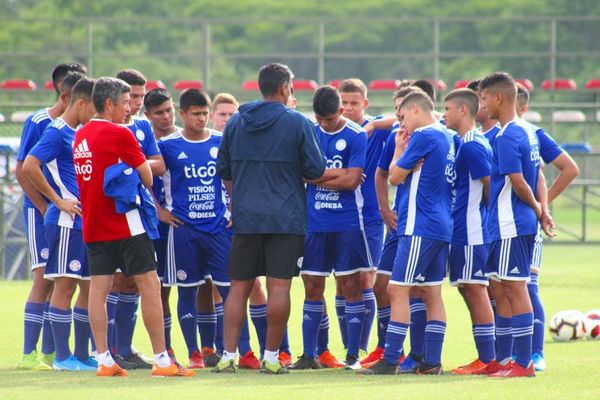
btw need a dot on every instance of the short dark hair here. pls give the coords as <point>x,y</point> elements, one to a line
<point>499,81</point>
<point>272,76</point>
<point>465,97</point>
<point>522,94</point>
<point>108,88</point>
<point>132,77</point>
<point>425,86</point>
<point>82,89</point>
<point>69,81</point>
<point>353,85</point>
<point>404,83</point>
<point>418,97</point>
<point>326,101</point>
<point>193,97</point>
<point>61,70</point>
<point>403,91</point>
<point>156,97</point>
<point>474,84</point>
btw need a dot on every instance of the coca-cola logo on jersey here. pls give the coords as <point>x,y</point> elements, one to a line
<point>331,196</point>
<point>207,205</point>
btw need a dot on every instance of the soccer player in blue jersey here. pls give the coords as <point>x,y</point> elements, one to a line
<point>123,312</point>
<point>67,261</point>
<point>335,239</point>
<point>550,153</point>
<point>470,238</point>
<point>513,223</point>
<point>34,208</point>
<point>489,127</point>
<point>425,166</point>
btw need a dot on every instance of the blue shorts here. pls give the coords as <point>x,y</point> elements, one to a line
<point>468,264</point>
<point>536,259</point>
<point>36,237</point>
<point>194,256</point>
<point>390,246</point>
<point>374,233</point>
<point>68,254</point>
<point>510,259</point>
<point>419,262</point>
<point>343,253</point>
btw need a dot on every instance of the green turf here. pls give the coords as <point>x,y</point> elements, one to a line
<point>570,279</point>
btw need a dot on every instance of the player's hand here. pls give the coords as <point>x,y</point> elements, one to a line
<point>69,206</point>
<point>401,139</point>
<point>390,219</point>
<point>167,217</point>
<point>547,223</point>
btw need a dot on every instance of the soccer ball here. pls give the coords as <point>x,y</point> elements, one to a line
<point>593,314</point>
<point>592,324</point>
<point>567,325</point>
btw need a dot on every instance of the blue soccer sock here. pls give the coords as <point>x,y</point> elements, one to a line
<point>285,343</point>
<point>186,312</point>
<point>61,330</point>
<point>312,314</point>
<point>539,316</point>
<point>47,335</point>
<point>340,311</point>
<point>34,320</point>
<point>258,315</point>
<point>522,332</point>
<point>418,322</point>
<point>111,309</point>
<point>368,298</point>
<point>83,333</point>
<point>207,328</point>
<point>394,341</point>
<point>219,333</point>
<point>504,338</point>
<point>484,341</point>
<point>355,315</point>
<point>125,318</point>
<point>167,322</point>
<point>323,335</point>
<point>434,340</point>
<point>383,319</point>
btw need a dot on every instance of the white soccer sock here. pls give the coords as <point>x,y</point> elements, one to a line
<point>272,357</point>
<point>228,356</point>
<point>105,359</point>
<point>162,359</point>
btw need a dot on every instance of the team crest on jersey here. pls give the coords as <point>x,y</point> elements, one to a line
<point>300,261</point>
<point>128,171</point>
<point>181,275</point>
<point>75,265</point>
<point>140,135</point>
<point>340,145</point>
<point>214,151</point>
<point>44,253</point>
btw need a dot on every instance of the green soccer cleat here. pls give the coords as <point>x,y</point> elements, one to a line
<point>31,362</point>
<point>272,369</point>
<point>225,367</point>
<point>47,359</point>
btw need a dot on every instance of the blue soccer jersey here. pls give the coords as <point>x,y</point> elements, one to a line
<point>386,157</point>
<point>33,128</point>
<point>144,134</point>
<point>473,162</point>
<point>193,190</point>
<point>491,133</point>
<point>375,144</point>
<point>516,150</point>
<point>425,208</point>
<point>549,150</point>
<point>333,210</point>
<point>55,152</point>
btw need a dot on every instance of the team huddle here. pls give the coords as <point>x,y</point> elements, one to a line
<point>125,208</point>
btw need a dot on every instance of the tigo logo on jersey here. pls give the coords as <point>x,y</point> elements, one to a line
<point>84,169</point>
<point>336,162</point>
<point>205,173</point>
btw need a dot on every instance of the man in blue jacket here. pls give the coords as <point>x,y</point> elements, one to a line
<point>266,152</point>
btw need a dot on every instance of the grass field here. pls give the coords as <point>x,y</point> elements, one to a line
<point>570,279</point>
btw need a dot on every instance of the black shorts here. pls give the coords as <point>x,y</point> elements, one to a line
<point>134,256</point>
<point>272,255</point>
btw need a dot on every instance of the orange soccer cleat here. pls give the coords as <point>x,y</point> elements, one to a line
<point>115,370</point>
<point>284,359</point>
<point>516,371</point>
<point>328,360</point>
<point>372,357</point>
<point>474,368</point>
<point>172,370</point>
<point>249,361</point>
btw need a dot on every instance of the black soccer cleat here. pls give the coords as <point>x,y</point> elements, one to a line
<point>138,361</point>
<point>381,367</point>
<point>428,369</point>
<point>305,362</point>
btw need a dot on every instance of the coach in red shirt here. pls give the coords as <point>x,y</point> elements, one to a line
<point>116,240</point>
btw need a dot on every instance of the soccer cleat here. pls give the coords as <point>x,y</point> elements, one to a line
<point>428,369</point>
<point>71,363</point>
<point>211,358</point>
<point>538,361</point>
<point>328,360</point>
<point>285,359</point>
<point>47,359</point>
<point>196,361</point>
<point>305,362</point>
<point>91,361</point>
<point>272,369</point>
<point>33,363</point>
<point>173,370</point>
<point>352,363</point>
<point>225,367</point>
<point>249,361</point>
<point>381,367</point>
<point>138,361</point>
<point>472,368</point>
<point>515,371</point>
<point>115,370</point>
<point>372,357</point>
<point>410,363</point>
<point>122,363</point>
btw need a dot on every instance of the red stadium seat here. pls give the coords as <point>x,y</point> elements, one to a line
<point>155,85</point>
<point>384,84</point>
<point>559,84</point>
<point>525,82</point>
<point>49,85</point>
<point>250,85</point>
<point>18,84</point>
<point>305,85</point>
<point>335,83</point>
<point>439,85</point>
<point>461,84</point>
<point>593,84</point>
<point>188,84</point>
